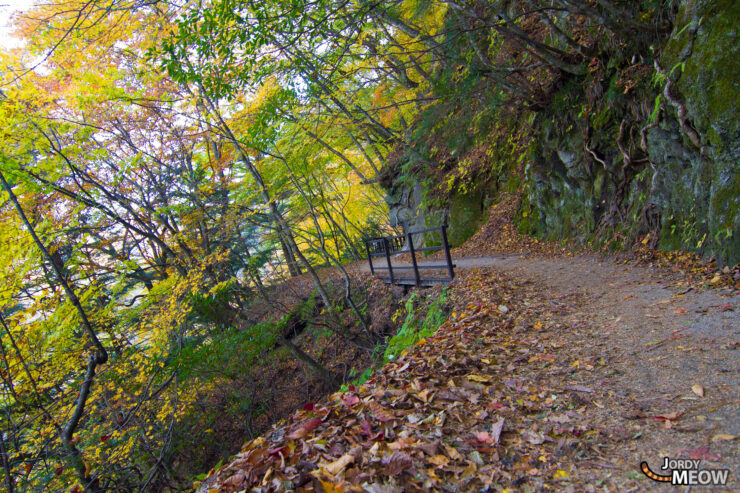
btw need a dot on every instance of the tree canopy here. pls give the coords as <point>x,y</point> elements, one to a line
<point>163,163</point>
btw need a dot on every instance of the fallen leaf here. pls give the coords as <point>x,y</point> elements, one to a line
<point>479,378</point>
<point>476,458</point>
<point>305,428</point>
<point>496,430</point>
<point>452,452</point>
<point>350,400</point>
<point>532,437</point>
<point>382,488</point>
<point>439,460</point>
<point>235,481</point>
<point>484,437</point>
<point>698,389</point>
<point>724,437</point>
<point>396,464</point>
<point>701,453</point>
<point>366,428</point>
<point>335,467</point>
<point>401,443</point>
<point>423,395</point>
<point>681,310</point>
<point>670,416</point>
<point>431,448</point>
<point>578,388</point>
<point>277,451</point>
<point>330,487</point>
<point>381,414</point>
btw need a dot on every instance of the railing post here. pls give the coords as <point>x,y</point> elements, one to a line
<point>369,257</point>
<point>388,258</point>
<point>447,252</point>
<point>410,241</point>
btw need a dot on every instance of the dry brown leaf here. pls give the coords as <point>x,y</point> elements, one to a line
<point>305,428</point>
<point>535,438</point>
<point>396,463</point>
<point>698,389</point>
<point>452,453</point>
<point>235,481</point>
<point>381,413</point>
<point>439,460</point>
<point>335,467</point>
<point>496,430</point>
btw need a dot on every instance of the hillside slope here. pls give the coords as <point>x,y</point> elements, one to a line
<point>555,372</point>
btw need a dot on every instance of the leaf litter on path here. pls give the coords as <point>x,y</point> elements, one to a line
<point>525,399</point>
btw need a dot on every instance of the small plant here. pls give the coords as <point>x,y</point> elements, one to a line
<point>413,329</point>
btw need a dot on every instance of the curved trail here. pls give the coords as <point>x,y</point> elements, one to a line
<point>659,339</point>
<point>560,373</point>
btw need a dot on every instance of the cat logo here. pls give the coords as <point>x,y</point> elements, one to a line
<point>686,472</point>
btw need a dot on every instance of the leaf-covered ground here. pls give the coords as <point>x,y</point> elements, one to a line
<point>557,371</point>
<point>546,377</point>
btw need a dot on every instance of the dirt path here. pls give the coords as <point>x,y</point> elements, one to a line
<point>662,345</point>
<point>556,373</point>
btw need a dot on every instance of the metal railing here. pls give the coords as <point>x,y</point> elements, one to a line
<point>401,244</point>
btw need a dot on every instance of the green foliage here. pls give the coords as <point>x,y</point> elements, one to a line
<point>415,327</point>
<point>229,352</point>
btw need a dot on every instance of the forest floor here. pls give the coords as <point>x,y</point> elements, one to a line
<point>556,371</point>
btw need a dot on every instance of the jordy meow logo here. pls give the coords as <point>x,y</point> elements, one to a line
<point>686,472</point>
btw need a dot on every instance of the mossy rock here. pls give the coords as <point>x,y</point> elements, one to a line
<point>703,55</point>
<point>700,207</point>
<point>466,214</point>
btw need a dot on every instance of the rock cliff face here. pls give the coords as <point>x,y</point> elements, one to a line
<point>662,157</point>
<point>688,188</point>
<point>698,177</point>
<point>464,213</point>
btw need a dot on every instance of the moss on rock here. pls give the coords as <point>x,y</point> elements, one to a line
<point>465,216</point>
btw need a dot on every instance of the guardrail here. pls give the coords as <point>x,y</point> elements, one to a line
<point>394,245</point>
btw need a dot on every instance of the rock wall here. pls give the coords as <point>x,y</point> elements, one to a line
<point>699,185</point>
<point>688,189</point>
<point>660,158</point>
<point>464,214</point>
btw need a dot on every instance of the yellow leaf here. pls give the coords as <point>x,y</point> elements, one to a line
<point>330,487</point>
<point>560,474</point>
<point>724,437</point>
<point>479,378</point>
